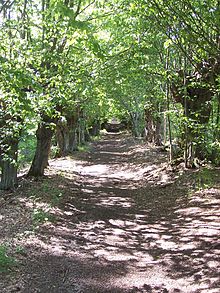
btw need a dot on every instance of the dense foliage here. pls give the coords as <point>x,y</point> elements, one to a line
<point>68,66</point>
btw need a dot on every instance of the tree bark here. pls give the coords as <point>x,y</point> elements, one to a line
<point>81,131</point>
<point>149,125</point>
<point>95,128</point>
<point>66,136</point>
<point>44,136</point>
<point>63,139</point>
<point>9,167</point>
<point>157,136</point>
<point>152,126</point>
<point>136,124</point>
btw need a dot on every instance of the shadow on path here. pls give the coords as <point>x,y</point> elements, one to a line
<point>114,232</point>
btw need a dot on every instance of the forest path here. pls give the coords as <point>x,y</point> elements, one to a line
<point>118,221</point>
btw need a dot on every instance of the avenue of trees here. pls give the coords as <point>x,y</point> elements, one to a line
<point>67,66</point>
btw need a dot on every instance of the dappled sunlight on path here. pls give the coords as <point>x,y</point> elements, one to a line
<point>129,162</point>
<point>120,227</point>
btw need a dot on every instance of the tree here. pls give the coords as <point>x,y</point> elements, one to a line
<point>16,83</point>
<point>70,65</point>
<point>62,23</point>
<point>192,31</point>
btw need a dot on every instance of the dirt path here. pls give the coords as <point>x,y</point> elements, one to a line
<point>114,220</point>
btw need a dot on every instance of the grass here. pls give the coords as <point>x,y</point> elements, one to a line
<point>6,261</point>
<point>83,148</point>
<point>96,138</point>
<point>20,250</point>
<point>46,191</point>
<point>206,178</point>
<point>55,194</point>
<point>40,216</point>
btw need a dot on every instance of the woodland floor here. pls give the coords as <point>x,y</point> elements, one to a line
<point>114,219</point>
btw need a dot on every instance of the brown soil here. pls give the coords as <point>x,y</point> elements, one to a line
<point>114,219</point>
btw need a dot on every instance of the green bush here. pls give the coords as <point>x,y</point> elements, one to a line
<point>27,147</point>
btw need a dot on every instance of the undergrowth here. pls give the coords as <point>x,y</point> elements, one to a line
<point>206,178</point>
<point>40,216</point>
<point>6,261</point>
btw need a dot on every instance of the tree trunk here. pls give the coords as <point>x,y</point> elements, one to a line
<point>9,167</point>
<point>81,132</point>
<point>95,128</point>
<point>157,135</point>
<point>152,127</point>
<point>73,140</point>
<point>44,136</point>
<point>217,134</point>
<point>136,124</point>
<point>67,136</point>
<point>165,129</point>
<point>170,134</point>
<point>63,139</point>
<point>149,125</point>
